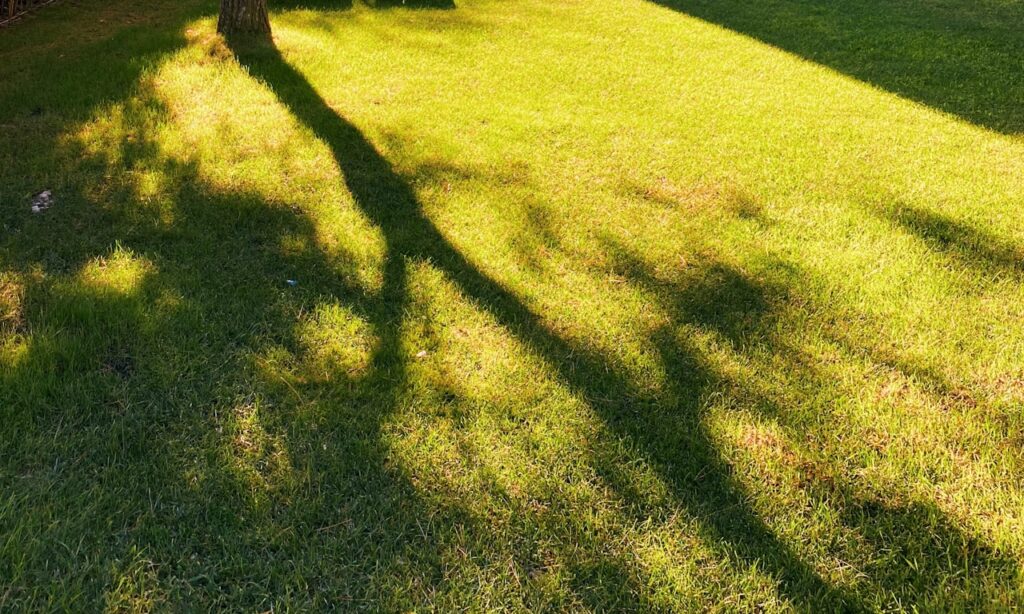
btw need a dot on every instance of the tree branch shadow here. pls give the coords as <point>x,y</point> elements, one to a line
<point>965,244</point>
<point>917,553</point>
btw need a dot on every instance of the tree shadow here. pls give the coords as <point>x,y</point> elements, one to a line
<point>915,554</point>
<point>45,91</point>
<point>156,445</point>
<point>177,412</point>
<point>923,558</point>
<point>959,57</point>
<point>668,429</point>
<point>151,465</point>
<point>113,54</point>
<point>967,245</point>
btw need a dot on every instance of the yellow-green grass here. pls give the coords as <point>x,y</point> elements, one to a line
<point>607,305</point>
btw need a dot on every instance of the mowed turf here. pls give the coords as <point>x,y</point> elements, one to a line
<point>557,305</point>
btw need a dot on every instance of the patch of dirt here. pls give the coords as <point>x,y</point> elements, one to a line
<point>721,197</point>
<point>119,363</point>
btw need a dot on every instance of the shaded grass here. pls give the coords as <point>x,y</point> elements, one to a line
<point>545,350</point>
<point>971,247</point>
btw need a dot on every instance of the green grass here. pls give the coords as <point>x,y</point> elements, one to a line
<point>618,305</point>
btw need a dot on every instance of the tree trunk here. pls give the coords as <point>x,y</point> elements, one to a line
<point>247,17</point>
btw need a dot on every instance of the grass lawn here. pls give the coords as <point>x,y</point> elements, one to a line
<point>649,305</point>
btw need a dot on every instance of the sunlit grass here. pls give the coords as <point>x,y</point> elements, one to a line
<point>532,305</point>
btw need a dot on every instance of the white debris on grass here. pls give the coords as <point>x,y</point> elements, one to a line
<point>42,201</point>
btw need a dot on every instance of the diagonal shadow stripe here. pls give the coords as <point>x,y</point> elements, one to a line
<point>962,58</point>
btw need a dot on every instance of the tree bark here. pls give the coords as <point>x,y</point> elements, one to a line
<point>248,17</point>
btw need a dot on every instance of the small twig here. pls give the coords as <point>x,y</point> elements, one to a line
<point>13,16</point>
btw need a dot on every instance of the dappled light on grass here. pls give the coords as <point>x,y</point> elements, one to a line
<point>393,316</point>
